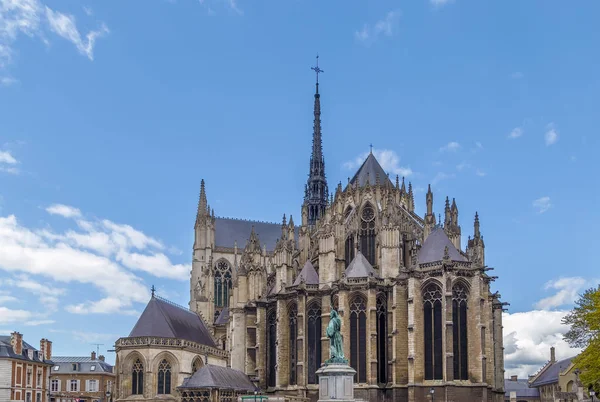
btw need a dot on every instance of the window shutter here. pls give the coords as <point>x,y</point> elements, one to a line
<point>78,385</point>
<point>87,385</point>
<point>58,389</point>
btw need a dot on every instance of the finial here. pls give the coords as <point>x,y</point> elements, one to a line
<point>317,70</point>
<point>440,218</point>
<point>284,220</point>
<point>153,289</point>
<point>409,187</point>
<point>429,188</point>
<point>397,182</point>
<point>371,151</point>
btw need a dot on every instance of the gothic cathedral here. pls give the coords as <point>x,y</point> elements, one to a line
<point>417,311</point>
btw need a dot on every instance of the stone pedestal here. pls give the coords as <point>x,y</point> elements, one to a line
<point>336,382</point>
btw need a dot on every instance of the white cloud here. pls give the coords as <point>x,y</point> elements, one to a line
<point>6,157</point>
<point>462,166</point>
<point>8,81</point>
<point>515,133</point>
<point>386,26</point>
<point>388,159</point>
<point>35,323</point>
<point>480,172</point>
<point>63,210</point>
<point>5,297</point>
<point>64,26</point>
<point>568,291</point>
<point>551,136</point>
<point>11,170</point>
<point>542,204</point>
<point>108,305</point>
<point>528,337</point>
<point>8,316</point>
<point>452,146</point>
<point>440,3</point>
<point>211,6</point>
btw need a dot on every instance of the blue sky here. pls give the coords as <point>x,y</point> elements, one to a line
<point>111,112</point>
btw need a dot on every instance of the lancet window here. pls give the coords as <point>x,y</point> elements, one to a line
<point>223,283</point>
<point>367,233</point>
<point>164,378</point>
<point>314,340</point>
<point>197,365</point>
<point>137,378</point>
<point>358,337</point>
<point>382,344</point>
<point>432,313</point>
<point>349,249</point>
<point>293,321</point>
<point>459,327</point>
<point>271,350</point>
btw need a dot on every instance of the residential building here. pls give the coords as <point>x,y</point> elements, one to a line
<point>83,378</point>
<point>24,370</point>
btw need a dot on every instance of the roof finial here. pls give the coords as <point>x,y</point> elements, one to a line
<point>371,146</point>
<point>317,70</point>
<point>153,289</point>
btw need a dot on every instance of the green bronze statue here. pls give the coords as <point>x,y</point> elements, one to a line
<point>336,348</point>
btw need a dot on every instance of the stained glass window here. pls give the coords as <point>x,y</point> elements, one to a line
<point>271,351</point>
<point>459,327</point>
<point>382,344</point>
<point>293,321</point>
<point>164,378</point>
<point>358,337</point>
<point>432,313</point>
<point>367,234</point>
<point>137,378</point>
<point>314,341</point>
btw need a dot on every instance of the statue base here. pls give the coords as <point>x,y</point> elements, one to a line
<point>336,382</point>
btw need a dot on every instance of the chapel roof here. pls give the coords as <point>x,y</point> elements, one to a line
<point>360,267</point>
<point>551,372</point>
<point>211,376</point>
<point>433,248</point>
<point>369,170</point>
<point>310,275</point>
<point>228,231</point>
<point>164,319</point>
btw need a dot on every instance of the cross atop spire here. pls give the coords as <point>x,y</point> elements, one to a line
<point>153,289</point>
<point>317,70</point>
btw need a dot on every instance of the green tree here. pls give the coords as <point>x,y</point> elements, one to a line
<point>584,321</point>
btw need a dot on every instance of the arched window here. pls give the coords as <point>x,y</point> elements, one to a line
<point>197,365</point>
<point>349,254</point>
<point>164,378</point>
<point>293,317</point>
<point>459,327</point>
<point>358,337</point>
<point>272,342</point>
<point>314,341</point>
<point>137,378</point>
<point>382,360</point>
<point>222,284</point>
<point>367,233</point>
<point>432,313</point>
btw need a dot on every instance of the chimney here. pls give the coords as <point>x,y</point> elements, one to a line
<point>513,378</point>
<point>513,396</point>
<point>45,349</point>
<point>93,355</point>
<point>552,355</point>
<point>16,341</point>
<point>101,358</point>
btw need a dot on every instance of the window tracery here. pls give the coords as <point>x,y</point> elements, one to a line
<point>164,378</point>
<point>432,314</point>
<point>223,284</point>
<point>314,340</point>
<point>293,321</point>
<point>367,233</point>
<point>358,337</point>
<point>137,378</point>
<point>460,331</point>
<point>271,351</point>
<point>382,344</point>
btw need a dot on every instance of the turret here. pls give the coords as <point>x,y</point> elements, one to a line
<point>447,214</point>
<point>429,216</point>
<point>476,246</point>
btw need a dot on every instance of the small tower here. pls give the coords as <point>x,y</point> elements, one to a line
<point>429,216</point>
<point>316,192</point>
<point>475,246</point>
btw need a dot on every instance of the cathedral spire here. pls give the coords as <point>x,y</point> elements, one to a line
<point>202,204</point>
<point>317,193</point>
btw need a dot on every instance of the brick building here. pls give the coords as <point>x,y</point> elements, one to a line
<point>24,370</point>
<point>89,379</point>
<point>417,310</point>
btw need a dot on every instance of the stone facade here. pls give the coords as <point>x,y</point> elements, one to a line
<point>263,307</point>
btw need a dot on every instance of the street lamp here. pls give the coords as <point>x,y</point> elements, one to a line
<point>107,396</point>
<point>255,392</point>
<point>431,391</point>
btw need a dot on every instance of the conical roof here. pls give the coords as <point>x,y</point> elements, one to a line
<point>310,275</point>
<point>433,248</point>
<point>360,267</point>
<point>369,171</point>
<point>167,320</point>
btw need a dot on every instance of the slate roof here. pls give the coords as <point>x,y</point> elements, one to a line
<point>211,376</point>
<point>164,319</point>
<point>309,274</point>
<point>550,374</point>
<point>6,351</point>
<point>370,168</point>
<point>360,267</point>
<point>229,230</point>
<point>433,247</point>
<point>521,387</point>
<point>64,364</point>
<point>223,317</point>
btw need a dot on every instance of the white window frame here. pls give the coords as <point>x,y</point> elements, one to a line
<point>38,397</point>
<point>39,379</point>
<point>76,382</point>
<point>29,376</point>
<point>55,385</point>
<point>88,385</point>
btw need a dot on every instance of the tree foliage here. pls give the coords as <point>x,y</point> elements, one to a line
<point>584,320</point>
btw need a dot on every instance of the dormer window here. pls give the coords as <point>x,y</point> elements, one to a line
<point>74,366</point>
<point>30,354</point>
<point>93,367</point>
<point>56,368</point>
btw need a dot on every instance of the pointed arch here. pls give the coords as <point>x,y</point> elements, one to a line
<point>358,336</point>
<point>432,315</point>
<point>197,364</point>
<point>223,282</point>
<point>367,233</point>
<point>460,297</point>
<point>382,344</point>
<point>313,330</point>
<point>349,249</point>
<point>272,347</point>
<point>137,377</point>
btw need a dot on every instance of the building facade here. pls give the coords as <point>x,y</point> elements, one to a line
<point>83,378</point>
<point>417,309</point>
<point>24,370</point>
